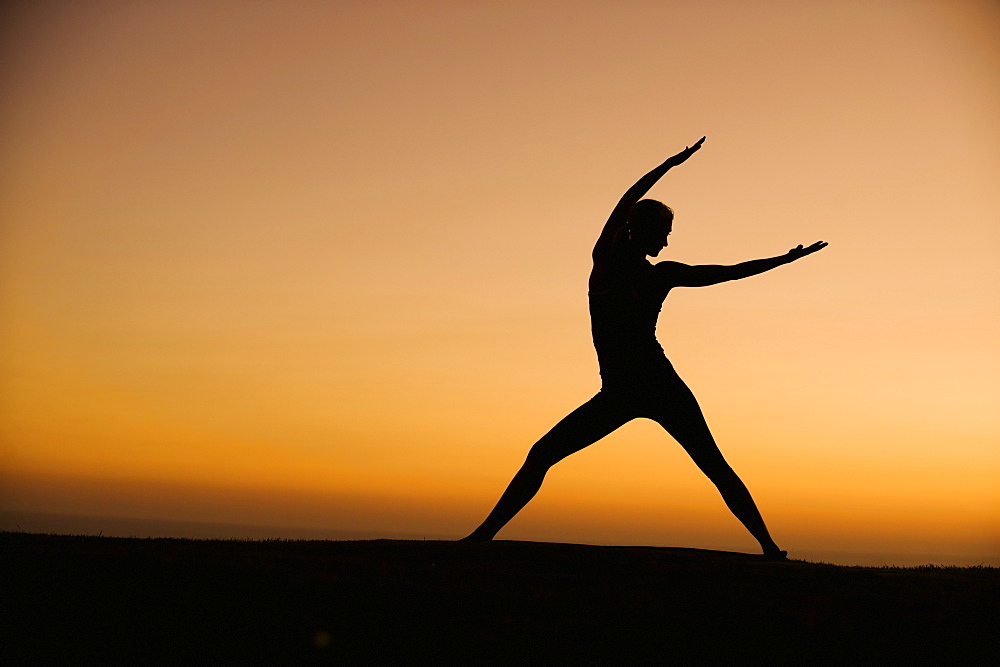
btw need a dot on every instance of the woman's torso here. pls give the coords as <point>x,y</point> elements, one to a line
<point>625,303</point>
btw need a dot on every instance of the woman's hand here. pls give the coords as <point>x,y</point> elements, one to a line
<point>685,154</point>
<point>798,252</point>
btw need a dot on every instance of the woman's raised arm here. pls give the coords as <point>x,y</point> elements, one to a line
<point>619,216</point>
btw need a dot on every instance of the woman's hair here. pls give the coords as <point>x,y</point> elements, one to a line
<point>649,217</point>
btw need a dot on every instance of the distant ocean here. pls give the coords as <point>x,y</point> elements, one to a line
<point>71,524</point>
<point>79,524</point>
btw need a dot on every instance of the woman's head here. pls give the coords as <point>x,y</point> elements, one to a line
<point>649,223</point>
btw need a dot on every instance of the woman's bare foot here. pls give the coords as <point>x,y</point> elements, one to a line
<point>473,537</point>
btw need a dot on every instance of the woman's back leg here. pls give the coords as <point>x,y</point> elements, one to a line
<point>678,412</point>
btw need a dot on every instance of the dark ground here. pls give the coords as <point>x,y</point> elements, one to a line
<point>68,599</point>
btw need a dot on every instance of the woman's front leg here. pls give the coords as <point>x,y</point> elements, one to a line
<point>584,426</point>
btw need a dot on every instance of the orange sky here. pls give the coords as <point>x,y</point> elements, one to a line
<point>323,266</point>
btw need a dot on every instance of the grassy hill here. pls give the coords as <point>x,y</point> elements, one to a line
<point>85,599</point>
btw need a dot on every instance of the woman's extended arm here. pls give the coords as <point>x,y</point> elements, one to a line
<point>619,216</point>
<point>676,274</point>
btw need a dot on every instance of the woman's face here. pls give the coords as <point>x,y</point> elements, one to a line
<point>658,239</point>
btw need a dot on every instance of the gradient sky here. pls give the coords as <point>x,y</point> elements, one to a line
<point>322,265</point>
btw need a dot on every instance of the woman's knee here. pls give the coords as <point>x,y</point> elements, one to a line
<point>711,462</point>
<point>718,471</point>
<point>550,449</point>
<point>541,457</point>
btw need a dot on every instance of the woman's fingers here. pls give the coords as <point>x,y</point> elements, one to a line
<point>799,251</point>
<point>815,247</point>
<point>688,150</point>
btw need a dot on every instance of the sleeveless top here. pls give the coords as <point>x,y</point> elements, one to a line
<point>623,323</point>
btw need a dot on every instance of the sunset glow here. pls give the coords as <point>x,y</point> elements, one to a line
<point>321,267</point>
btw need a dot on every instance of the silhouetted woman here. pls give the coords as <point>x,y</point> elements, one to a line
<point>626,294</point>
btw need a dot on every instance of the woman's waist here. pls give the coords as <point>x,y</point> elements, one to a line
<point>629,370</point>
<point>626,344</point>
<point>631,356</point>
